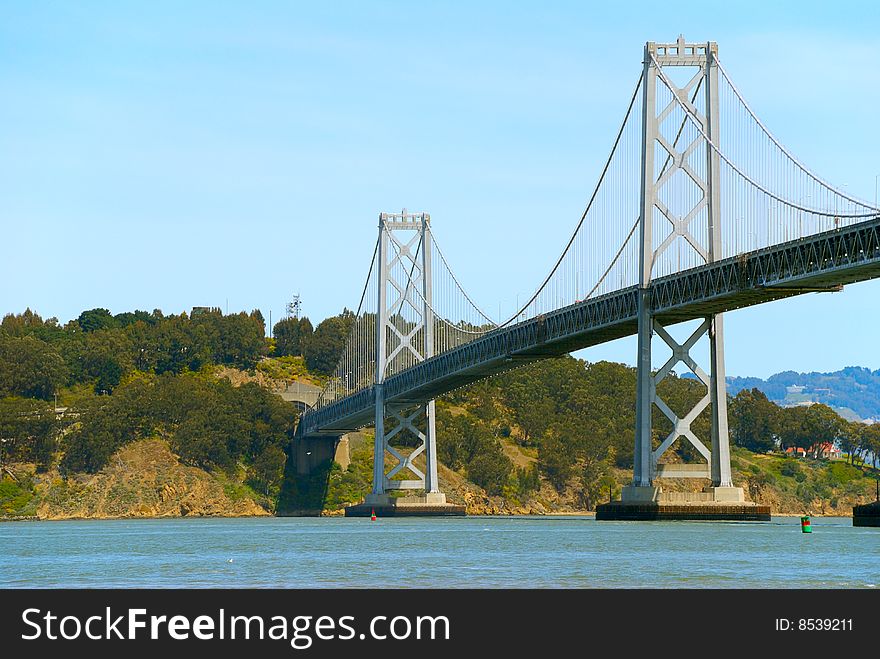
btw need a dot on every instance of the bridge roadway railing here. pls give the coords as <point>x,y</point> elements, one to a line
<point>821,262</point>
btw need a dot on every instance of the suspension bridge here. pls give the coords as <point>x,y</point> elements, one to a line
<point>699,210</point>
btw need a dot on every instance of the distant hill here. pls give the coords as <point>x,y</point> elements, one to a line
<point>853,391</point>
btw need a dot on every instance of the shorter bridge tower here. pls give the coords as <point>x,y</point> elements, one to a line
<point>404,336</point>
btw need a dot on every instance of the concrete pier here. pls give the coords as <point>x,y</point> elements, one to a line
<point>712,504</point>
<point>867,514</point>
<point>428,505</point>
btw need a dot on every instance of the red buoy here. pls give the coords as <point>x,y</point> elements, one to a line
<point>372,514</point>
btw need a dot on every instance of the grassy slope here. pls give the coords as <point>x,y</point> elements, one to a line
<point>802,486</point>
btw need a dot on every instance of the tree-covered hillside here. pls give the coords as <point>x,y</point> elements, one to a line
<point>195,391</point>
<point>121,379</point>
<point>575,420</point>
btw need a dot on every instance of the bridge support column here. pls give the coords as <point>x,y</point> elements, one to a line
<point>379,444</point>
<point>644,397</point>
<point>646,466</point>
<point>432,483</point>
<point>720,462</point>
<point>405,433</point>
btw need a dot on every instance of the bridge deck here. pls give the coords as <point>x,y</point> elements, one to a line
<point>820,262</point>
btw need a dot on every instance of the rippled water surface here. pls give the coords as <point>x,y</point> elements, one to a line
<point>543,552</point>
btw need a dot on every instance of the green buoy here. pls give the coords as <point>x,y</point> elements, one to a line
<point>805,524</point>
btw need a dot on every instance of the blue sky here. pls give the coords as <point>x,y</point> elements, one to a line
<point>166,155</point>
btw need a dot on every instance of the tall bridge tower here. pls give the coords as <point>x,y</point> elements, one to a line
<point>404,337</point>
<point>696,226</point>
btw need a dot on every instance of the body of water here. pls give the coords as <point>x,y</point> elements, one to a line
<point>483,552</point>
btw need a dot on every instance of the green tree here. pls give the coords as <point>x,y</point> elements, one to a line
<point>821,426</point>
<point>29,367</point>
<point>612,390</point>
<point>203,440</point>
<point>869,442</point>
<point>257,316</point>
<point>268,467</point>
<point>96,319</point>
<point>490,468</point>
<point>28,430</point>
<point>527,479</point>
<point>808,427</point>
<point>557,459</point>
<point>596,480</point>
<point>459,438</point>
<point>850,438</point>
<point>791,433</point>
<point>106,356</point>
<point>30,323</point>
<point>753,421</point>
<point>532,405</point>
<point>324,348</point>
<point>144,345</point>
<point>127,318</point>
<point>88,452</point>
<point>290,336</point>
<point>242,340</point>
<point>175,349</point>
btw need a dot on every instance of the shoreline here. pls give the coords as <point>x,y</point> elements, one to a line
<point>585,513</point>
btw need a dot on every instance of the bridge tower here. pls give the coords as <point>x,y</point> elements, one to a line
<point>404,337</point>
<point>685,217</point>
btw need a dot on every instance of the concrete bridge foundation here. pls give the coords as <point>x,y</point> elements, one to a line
<point>713,503</point>
<point>431,504</point>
